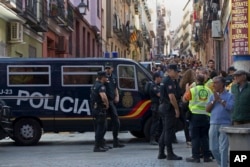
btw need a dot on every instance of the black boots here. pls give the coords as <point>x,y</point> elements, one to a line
<point>153,141</point>
<point>171,155</point>
<point>192,159</point>
<point>99,149</point>
<point>161,154</point>
<point>116,144</point>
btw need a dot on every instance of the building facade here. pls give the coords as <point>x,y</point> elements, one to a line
<point>80,28</point>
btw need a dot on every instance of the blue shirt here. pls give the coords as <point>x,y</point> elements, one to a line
<point>221,115</point>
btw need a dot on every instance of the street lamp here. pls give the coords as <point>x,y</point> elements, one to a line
<point>83,7</point>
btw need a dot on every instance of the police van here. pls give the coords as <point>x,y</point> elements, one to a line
<point>149,65</point>
<point>53,95</point>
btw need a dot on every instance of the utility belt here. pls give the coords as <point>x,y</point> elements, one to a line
<point>99,106</point>
<point>164,101</point>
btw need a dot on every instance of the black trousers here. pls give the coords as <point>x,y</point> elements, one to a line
<point>199,135</point>
<point>112,113</point>
<point>100,128</point>
<point>156,125</point>
<point>168,131</point>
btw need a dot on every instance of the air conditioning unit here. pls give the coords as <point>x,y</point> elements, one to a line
<point>16,32</point>
<point>216,29</point>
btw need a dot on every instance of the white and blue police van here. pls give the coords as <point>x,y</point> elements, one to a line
<point>53,95</point>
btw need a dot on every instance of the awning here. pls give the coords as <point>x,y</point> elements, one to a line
<point>9,15</point>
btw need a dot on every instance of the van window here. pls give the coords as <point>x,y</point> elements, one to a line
<point>126,77</point>
<point>142,79</point>
<point>79,75</point>
<point>28,75</point>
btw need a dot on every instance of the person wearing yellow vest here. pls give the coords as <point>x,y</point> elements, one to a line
<point>198,97</point>
<point>207,80</point>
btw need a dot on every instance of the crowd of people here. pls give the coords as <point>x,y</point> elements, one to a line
<point>201,98</point>
<point>205,100</point>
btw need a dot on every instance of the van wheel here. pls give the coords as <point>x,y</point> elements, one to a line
<point>27,132</point>
<point>146,128</point>
<point>138,134</point>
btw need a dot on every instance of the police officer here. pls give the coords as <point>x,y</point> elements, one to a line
<point>155,100</point>
<point>99,105</point>
<point>113,97</point>
<point>169,110</point>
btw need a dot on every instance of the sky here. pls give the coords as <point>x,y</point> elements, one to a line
<point>176,8</point>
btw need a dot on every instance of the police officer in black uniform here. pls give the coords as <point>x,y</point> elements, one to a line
<point>169,111</point>
<point>113,97</point>
<point>155,102</point>
<point>99,105</point>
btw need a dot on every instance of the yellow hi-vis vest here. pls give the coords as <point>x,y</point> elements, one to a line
<point>210,84</point>
<point>200,97</point>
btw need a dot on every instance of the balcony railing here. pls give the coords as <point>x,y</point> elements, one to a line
<point>163,12</point>
<point>15,5</point>
<point>70,17</point>
<point>42,19</point>
<point>125,34</point>
<point>136,6</point>
<point>57,11</point>
<point>68,24</point>
<point>30,11</point>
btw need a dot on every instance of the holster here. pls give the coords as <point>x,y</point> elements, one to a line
<point>164,107</point>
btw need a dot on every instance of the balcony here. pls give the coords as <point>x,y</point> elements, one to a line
<point>125,34</point>
<point>35,14</point>
<point>57,12</point>
<point>70,18</point>
<point>30,12</point>
<point>136,6</point>
<point>147,11</point>
<point>68,24</point>
<point>42,19</point>
<point>116,24</point>
<point>15,5</point>
<point>163,12</point>
<point>163,26</point>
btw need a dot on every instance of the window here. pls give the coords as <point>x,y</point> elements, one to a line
<point>79,75</point>
<point>142,79</point>
<point>32,51</point>
<point>127,77</point>
<point>28,75</point>
<point>98,8</point>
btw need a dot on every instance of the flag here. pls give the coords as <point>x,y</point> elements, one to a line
<point>133,36</point>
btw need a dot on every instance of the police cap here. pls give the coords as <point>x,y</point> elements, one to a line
<point>156,75</point>
<point>101,74</point>
<point>232,68</point>
<point>108,66</point>
<point>173,67</point>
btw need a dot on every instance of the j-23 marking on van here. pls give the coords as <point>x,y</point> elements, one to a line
<point>52,95</point>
